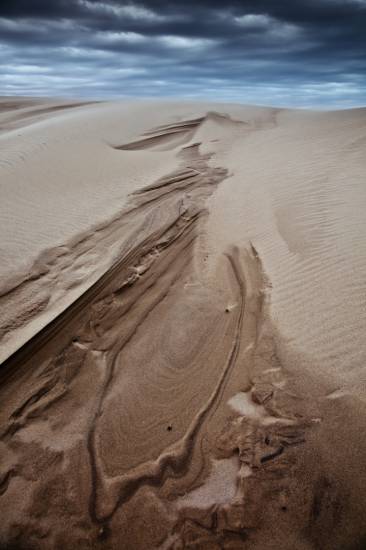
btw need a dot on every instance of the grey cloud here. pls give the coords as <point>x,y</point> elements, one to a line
<point>306,53</point>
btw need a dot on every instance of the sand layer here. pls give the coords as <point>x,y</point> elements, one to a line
<point>182,322</point>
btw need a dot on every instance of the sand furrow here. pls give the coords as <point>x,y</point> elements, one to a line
<point>175,461</point>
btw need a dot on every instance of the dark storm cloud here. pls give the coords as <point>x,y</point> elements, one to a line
<point>305,53</point>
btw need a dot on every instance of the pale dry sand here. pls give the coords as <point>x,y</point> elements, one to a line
<point>182,326</point>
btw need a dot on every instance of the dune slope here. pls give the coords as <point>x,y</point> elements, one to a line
<point>182,319</point>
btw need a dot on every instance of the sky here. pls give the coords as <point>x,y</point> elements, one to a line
<point>295,53</point>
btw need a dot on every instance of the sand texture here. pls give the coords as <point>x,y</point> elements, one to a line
<point>182,326</point>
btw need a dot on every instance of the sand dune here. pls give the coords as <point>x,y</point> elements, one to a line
<point>182,320</point>
<point>17,113</point>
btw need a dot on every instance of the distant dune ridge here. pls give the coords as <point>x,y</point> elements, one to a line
<point>182,326</point>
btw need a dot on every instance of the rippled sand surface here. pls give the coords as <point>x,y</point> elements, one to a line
<point>182,326</point>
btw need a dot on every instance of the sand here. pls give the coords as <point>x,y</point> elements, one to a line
<point>182,326</point>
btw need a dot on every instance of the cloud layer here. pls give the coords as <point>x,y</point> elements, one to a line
<point>308,53</point>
